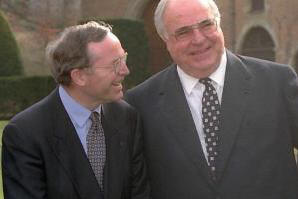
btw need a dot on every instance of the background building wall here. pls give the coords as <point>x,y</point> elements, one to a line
<point>105,8</point>
<point>278,19</point>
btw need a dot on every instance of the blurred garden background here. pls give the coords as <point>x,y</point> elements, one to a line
<point>259,28</point>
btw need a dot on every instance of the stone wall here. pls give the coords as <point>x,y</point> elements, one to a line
<point>278,19</point>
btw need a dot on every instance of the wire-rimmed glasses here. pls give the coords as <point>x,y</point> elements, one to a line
<point>206,27</point>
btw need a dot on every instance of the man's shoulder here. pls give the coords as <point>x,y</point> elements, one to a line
<point>119,108</point>
<point>119,113</point>
<point>120,105</point>
<point>38,111</point>
<point>154,82</point>
<point>261,64</point>
<point>265,70</point>
<point>34,121</point>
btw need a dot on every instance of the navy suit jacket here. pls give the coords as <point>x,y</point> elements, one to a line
<point>258,132</point>
<point>42,156</point>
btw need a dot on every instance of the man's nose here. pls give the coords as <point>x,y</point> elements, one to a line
<point>123,69</point>
<point>197,36</point>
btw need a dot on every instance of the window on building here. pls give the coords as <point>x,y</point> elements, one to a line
<point>258,43</point>
<point>257,5</point>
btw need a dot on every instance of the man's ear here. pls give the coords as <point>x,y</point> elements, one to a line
<point>78,77</point>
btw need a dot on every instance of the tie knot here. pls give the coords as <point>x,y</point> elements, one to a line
<point>205,81</point>
<point>94,117</point>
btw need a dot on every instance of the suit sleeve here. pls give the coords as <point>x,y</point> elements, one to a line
<point>140,183</point>
<point>291,95</point>
<point>22,168</point>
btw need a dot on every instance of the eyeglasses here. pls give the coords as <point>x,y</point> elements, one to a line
<point>117,63</point>
<point>206,27</point>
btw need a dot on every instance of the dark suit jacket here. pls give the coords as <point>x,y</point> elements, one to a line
<point>258,131</point>
<point>42,156</point>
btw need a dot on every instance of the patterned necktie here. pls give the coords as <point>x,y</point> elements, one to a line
<point>96,147</point>
<point>210,118</point>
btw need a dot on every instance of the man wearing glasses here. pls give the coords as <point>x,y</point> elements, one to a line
<point>216,125</point>
<point>82,141</point>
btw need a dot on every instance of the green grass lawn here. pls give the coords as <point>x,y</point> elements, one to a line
<point>2,124</point>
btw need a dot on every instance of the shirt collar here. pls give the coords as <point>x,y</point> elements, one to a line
<point>218,76</point>
<point>78,113</point>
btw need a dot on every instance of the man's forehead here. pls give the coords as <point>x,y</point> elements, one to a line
<point>176,17</point>
<point>181,8</point>
<point>105,49</point>
<point>183,3</point>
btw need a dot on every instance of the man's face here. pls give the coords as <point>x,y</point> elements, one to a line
<point>103,83</point>
<point>198,52</point>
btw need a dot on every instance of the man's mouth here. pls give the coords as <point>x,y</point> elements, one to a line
<point>117,84</point>
<point>200,52</point>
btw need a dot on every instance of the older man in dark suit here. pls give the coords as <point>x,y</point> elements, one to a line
<point>216,125</point>
<point>82,141</point>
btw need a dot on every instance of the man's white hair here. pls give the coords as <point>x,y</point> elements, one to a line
<point>160,10</point>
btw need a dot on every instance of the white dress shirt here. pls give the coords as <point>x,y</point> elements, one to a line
<point>193,91</point>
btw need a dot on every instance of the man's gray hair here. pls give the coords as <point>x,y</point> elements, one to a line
<point>69,50</point>
<point>160,10</point>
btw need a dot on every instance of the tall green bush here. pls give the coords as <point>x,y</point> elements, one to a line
<point>134,40</point>
<point>10,61</point>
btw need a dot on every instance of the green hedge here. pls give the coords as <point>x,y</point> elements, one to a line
<point>18,93</point>
<point>9,52</point>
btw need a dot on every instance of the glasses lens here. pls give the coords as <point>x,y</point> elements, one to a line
<point>207,26</point>
<point>184,33</point>
<point>121,61</point>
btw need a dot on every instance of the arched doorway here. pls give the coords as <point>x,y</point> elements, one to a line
<point>158,57</point>
<point>258,43</point>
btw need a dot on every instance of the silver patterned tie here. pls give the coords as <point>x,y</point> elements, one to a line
<point>96,148</point>
<point>210,118</point>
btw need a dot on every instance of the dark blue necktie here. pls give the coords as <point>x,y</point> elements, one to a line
<point>210,118</point>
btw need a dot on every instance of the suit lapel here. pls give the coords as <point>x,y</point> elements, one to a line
<point>178,117</point>
<point>113,123</point>
<point>235,94</point>
<point>68,149</point>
